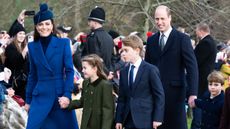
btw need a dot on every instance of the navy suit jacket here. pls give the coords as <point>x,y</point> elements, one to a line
<point>176,60</point>
<point>146,100</point>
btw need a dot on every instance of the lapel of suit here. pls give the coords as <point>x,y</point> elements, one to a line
<point>51,49</point>
<point>138,76</point>
<point>40,55</point>
<point>169,42</point>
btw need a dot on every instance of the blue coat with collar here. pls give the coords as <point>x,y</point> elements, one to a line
<point>145,101</point>
<point>175,61</point>
<point>50,77</point>
<point>211,110</point>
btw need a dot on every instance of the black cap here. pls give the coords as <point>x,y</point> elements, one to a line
<point>17,27</point>
<point>97,14</point>
<point>113,34</point>
<point>65,29</point>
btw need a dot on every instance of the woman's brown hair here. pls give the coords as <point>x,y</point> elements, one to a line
<point>23,44</point>
<point>95,61</point>
<point>37,35</point>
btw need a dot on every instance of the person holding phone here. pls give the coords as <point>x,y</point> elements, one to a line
<point>16,56</point>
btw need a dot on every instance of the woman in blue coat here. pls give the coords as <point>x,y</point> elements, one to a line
<point>50,79</point>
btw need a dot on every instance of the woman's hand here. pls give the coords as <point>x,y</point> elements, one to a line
<point>63,102</point>
<point>21,17</point>
<point>27,107</point>
<point>10,92</point>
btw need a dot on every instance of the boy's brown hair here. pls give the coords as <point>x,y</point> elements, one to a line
<point>134,42</point>
<point>216,76</point>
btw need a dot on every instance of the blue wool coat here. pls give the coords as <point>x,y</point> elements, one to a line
<point>50,77</point>
<point>211,110</point>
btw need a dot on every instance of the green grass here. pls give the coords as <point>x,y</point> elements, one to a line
<point>189,121</point>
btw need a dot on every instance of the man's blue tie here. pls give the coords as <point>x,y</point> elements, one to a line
<point>131,76</point>
<point>162,42</point>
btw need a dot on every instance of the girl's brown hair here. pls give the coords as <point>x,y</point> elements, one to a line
<point>95,61</point>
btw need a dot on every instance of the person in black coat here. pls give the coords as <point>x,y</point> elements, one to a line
<point>172,60</point>
<point>98,40</point>
<point>205,53</point>
<point>16,57</point>
<point>212,102</point>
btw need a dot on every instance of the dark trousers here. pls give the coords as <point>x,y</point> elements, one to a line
<point>196,121</point>
<point>129,123</point>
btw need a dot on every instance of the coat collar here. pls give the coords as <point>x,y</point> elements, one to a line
<point>95,83</point>
<point>42,57</point>
<point>138,76</point>
<point>215,99</point>
<point>169,41</point>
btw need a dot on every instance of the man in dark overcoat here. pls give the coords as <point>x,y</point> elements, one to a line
<point>171,51</point>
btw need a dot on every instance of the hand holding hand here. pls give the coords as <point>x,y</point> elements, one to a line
<point>156,124</point>
<point>191,101</point>
<point>63,102</point>
<point>118,126</point>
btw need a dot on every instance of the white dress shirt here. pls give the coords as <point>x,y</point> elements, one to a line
<point>166,35</point>
<point>137,65</point>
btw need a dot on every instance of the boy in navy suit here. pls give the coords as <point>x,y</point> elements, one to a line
<point>141,95</point>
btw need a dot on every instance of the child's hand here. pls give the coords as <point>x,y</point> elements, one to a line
<point>10,92</point>
<point>118,126</point>
<point>27,107</point>
<point>110,76</point>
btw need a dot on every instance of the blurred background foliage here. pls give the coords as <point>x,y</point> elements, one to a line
<point>126,16</point>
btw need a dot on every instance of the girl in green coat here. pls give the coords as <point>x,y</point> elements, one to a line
<point>97,99</point>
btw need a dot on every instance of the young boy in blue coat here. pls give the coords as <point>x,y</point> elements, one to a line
<point>212,101</point>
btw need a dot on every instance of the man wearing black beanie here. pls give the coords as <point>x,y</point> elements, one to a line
<point>98,40</point>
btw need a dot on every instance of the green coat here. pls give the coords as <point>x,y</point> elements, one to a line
<point>98,105</point>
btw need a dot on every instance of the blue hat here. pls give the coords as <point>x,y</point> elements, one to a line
<point>44,14</point>
<point>97,14</point>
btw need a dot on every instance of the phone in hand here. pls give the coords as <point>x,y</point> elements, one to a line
<point>30,13</point>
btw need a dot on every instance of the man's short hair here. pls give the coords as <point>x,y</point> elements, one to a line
<point>167,9</point>
<point>203,27</point>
